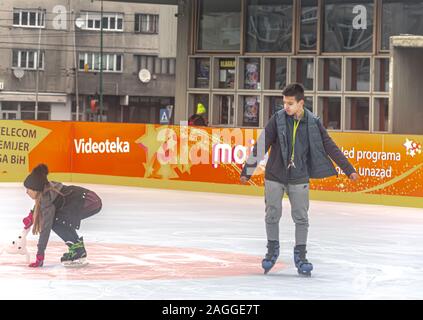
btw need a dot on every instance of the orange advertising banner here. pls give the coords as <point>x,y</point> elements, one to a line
<point>389,165</point>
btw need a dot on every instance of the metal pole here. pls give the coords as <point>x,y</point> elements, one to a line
<point>76,66</point>
<point>101,63</point>
<point>37,61</point>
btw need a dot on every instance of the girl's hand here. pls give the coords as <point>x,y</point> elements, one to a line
<point>39,262</point>
<point>28,220</point>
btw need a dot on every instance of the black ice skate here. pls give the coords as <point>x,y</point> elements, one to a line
<point>271,256</point>
<point>301,263</point>
<point>77,256</point>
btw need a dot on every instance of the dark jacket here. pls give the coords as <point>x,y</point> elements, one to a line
<point>64,209</point>
<point>197,120</point>
<point>315,153</point>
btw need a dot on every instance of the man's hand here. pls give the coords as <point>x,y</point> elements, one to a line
<point>354,176</point>
<point>244,180</point>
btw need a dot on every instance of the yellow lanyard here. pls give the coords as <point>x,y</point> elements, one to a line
<point>294,135</point>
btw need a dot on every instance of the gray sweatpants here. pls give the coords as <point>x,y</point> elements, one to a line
<point>298,195</point>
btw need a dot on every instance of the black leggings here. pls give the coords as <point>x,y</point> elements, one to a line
<point>92,206</point>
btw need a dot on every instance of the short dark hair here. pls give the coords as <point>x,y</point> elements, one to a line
<point>294,90</point>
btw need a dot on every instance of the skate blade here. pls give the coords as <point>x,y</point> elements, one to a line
<point>304,274</point>
<point>75,264</point>
<point>266,271</point>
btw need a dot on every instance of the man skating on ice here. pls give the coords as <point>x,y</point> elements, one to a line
<point>301,148</point>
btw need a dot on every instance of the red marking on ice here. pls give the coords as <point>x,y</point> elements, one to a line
<point>134,262</point>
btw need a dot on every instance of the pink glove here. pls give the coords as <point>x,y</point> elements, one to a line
<point>28,220</point>
<point>39,262</point>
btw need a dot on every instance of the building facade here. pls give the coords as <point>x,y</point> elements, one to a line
<point>238,56</point>
<point>66,35</point>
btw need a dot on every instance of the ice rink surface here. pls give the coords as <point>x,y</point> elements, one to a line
<point>164,244</point>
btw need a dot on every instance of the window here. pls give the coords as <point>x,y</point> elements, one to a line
<point>27,59</point>
<point>155,64</point>
<point>219,25</point>
<point>225,73</point>
<point>33,18</point>
<point>348,27</point>
<point>146,62</point>
<point>401,17</point>
<point>9,106</point>
<point>16,18</point>
<point>303,72</point>
<point>110,22</point>
<point>276,73</point>
<point>9,110</point>
<point>273,105</point>
<point>147,23</point>
<point>195,100</point>
<point>381,75</point>
<point>381,114</point>
<point>308,103</point>
<point>225,113</point>
<point>250,77</point>
<point>199,72</point>
<point>269,25</point>
<point>43,111</point>
<point>331,72</point>
<point>358,70</point>
<point>111,62</point>
<point>250,110</point>
<point>357,113</point>
<point>330,112</point>
<point>143,110</point>
<point>25,110</point>
<point>172,66</point>
<point>308,25</point>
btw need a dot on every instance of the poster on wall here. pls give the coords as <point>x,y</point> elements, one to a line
<point>227,73</point>
<point>252,75</point>
<point>202,73</point>
<point>251,111</point>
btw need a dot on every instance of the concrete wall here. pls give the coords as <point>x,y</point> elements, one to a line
<point>60,111</point>
<point>184,49</point>
<point>406,82</point>
<point>168,30</point>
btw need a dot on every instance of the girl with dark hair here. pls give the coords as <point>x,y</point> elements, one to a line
<point>59,208</point>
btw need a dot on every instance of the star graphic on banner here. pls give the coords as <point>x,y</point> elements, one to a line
<point>412,147</point>
<point>150,142</point>
<point>148,169</point>
<point>408,144</point>
<point>167,172</point>
<point>185,168</point>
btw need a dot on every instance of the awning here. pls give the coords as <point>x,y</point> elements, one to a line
<point>30,97</point>
<point>169,2</point>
